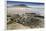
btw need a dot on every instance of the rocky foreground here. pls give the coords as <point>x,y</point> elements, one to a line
<point>25,21</point>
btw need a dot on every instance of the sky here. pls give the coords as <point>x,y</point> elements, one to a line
<point>28,0</point>
<point>12,3</point>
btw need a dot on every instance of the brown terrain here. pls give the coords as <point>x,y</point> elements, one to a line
<point>14,25</point>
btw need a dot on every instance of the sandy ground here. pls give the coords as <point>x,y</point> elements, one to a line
<point>17,26</point>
